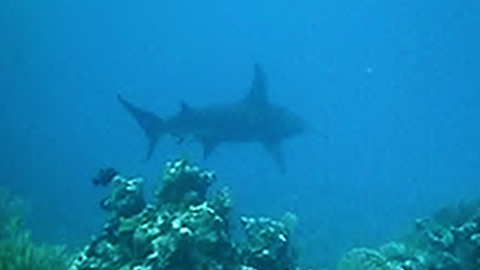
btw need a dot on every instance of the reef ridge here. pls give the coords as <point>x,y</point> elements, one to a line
<point>184,228</point>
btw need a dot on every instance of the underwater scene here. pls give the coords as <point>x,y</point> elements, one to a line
<point>239,135</point>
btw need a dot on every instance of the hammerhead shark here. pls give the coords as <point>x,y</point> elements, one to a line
<point>251,119</point>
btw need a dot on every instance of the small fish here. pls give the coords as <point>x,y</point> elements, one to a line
<point>104,176</point>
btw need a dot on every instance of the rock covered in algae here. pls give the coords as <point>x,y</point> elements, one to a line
<point>17,248</point>
<point>126,198</point>
<point>12,209</point>
<point>183,229</point>
<point>391,256</point>
<point>184,183</point>
<point>268,244</point>
<point>364,259</point>
<point>449,240</point>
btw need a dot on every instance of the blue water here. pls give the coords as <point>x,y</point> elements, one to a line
<point>391,88</point>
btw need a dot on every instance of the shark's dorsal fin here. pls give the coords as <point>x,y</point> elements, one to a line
<point>258,89</point>
<point>274,149</point>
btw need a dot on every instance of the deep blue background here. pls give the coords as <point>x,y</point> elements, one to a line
<point>394,85</point>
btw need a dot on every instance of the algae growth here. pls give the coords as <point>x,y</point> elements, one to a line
<point>449,240</point>
<point>17,250</point>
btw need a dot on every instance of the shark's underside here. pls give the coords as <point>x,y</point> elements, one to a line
<point>252,119</point>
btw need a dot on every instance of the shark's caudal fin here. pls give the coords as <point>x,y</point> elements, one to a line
<point>149,122</point>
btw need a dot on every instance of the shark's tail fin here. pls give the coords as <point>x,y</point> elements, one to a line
<point>152,125</point>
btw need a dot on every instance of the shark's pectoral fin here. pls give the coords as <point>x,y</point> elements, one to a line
<point>208,147</point>
<point>186,109</point>
<point>274,149</point>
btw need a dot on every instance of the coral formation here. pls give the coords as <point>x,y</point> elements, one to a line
<point>268,244</point>
<point>450,240</point>
<point>184,184</point>
<point>364,259</point>
<point>126,198</point>
<point>188,227</point>
<point>184,228</point>
<point>17,250</point>
<point>11,213</point>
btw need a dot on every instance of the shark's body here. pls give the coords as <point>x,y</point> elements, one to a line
<point>252,119</point>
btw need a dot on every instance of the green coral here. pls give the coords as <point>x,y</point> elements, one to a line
<point>20,253</point>
<point>449,240</point>
<point>11,213</point>
<point>268,243</point>
<point>364,259</point>
<point>184,184</point>
<point>17,250</point>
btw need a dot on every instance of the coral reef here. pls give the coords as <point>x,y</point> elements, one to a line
<point>17,250</point>
<point>449,240</point>
<point>184,184</point>
<point>126,198</point>
<point>268,244</point>
<point>11,213</point>
<point>364,259</point>
<point>184,228</point>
